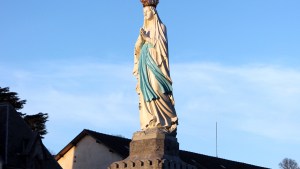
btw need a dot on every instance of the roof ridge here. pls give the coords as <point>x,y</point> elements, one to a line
<point>207,156</point>
<point>110,135</point>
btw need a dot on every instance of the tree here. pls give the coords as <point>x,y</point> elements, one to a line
<point>288,163</point>
<point>12,98</point>
<point>36,122</point>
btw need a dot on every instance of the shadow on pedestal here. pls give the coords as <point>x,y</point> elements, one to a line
<point>152,149</point>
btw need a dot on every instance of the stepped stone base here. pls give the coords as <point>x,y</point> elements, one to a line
<point>152,149</point>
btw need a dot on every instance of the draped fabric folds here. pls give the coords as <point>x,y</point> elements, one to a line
<point>146,64</point>
<point>151,68</point>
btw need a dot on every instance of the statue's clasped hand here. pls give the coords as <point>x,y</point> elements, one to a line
<point>144,35</point>
<point>142,32</point>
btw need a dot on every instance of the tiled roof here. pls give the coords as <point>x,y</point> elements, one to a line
<point>115,143</point>
<point>207,162</point>
<point>120,145</point>
<point>18,142</point>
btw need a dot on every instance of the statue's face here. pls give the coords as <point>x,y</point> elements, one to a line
<point>148,13</point>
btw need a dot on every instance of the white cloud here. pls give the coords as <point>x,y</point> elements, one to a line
<point>257,99</point>
<point>261,99</point>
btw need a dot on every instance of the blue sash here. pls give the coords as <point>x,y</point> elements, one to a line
<point>146,63</point>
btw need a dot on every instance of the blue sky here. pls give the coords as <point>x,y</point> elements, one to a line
<point>235,62</point>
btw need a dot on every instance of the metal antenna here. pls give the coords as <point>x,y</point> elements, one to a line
<point>216,139</point>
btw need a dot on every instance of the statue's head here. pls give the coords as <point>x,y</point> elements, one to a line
<point>152,3</point>
<point>149,12</point>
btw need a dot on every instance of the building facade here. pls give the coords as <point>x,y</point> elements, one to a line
<point>93,150</point>
<point>88,153</point>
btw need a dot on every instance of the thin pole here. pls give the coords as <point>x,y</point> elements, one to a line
<point>216,139</point>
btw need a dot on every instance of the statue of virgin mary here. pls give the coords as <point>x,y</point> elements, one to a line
<point>151,68</point>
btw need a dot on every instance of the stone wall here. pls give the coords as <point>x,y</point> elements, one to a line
<point>151,164</point>
<point>152,149</point>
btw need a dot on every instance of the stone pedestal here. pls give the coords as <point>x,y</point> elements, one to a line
<point>152,149</point>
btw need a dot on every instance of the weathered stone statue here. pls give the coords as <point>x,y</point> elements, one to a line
<point>151,68</point>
